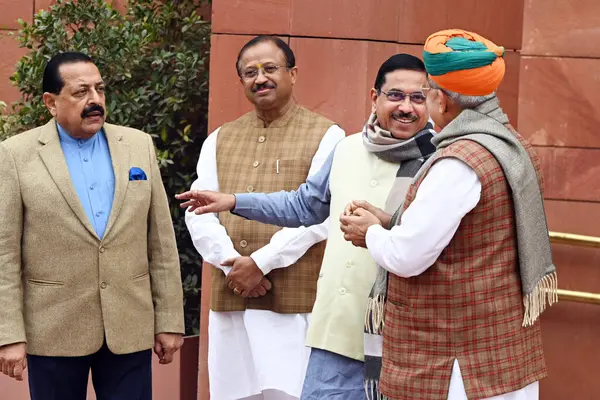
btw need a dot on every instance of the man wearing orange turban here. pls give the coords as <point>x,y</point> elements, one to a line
<point>465,264</point>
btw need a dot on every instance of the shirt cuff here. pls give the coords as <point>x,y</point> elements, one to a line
<point>373,236</point>
<point>265,261</point>
<point>243,201</point>
<point>226,255</point>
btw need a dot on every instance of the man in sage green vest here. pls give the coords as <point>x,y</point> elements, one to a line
<point>264,279</point>
<point>395,141</point>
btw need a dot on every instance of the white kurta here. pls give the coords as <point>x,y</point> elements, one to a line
<point>255,352</point>
<point>449,191</point>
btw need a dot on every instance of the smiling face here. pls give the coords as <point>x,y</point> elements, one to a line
<point>80,105</point>
<point>267,82</point>
<point>402,111</point>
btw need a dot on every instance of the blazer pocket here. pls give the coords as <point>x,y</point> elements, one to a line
<point>141,276</point>
<point>44,282</point>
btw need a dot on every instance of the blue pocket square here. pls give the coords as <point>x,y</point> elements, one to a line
<point>137,174</point>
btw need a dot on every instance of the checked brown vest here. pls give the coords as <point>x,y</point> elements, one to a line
<point>468,306</point>
<point>252,158</point>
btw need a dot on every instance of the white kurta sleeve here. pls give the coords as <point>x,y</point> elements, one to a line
<point>208,235</point>
<point>449,191</point>
<point>289,244</point>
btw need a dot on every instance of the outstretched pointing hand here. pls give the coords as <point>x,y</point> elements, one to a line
<point>206,201</point>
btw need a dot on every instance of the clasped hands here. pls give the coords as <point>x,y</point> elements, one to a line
<point>356,219</point>
<point>245,278</point>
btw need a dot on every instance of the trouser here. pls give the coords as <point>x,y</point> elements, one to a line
<point>330,376</point>
<point>114,376</point>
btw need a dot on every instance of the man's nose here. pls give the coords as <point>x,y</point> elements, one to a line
<point>94,97</point>
<point>405,105</point>
<point>260,78</point>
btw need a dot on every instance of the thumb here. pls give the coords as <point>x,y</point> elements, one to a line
<point>364,204</point>
<point>359,212</point>
<point>229,262</point>
<point>158,349</point>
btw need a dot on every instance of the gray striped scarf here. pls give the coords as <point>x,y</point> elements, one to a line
<point>410,154</point>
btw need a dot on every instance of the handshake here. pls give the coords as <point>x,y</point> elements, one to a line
<point>356,219</point>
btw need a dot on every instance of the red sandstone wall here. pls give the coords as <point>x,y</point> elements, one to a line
<point>550,92</point>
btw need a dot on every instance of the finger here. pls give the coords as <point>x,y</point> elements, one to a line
<point>349,209</point>
<point>184,196</point>
<point>167,359</point>
<point>5,368</point>
<point>230,284</point>
<point>346,228</point>
<point>25,363</point>
<point>266,284</point>
<point>261,290</point>
<point>188,203</point>
<point>253,294</point>
<point>205,209</point>
<point>18,372</point>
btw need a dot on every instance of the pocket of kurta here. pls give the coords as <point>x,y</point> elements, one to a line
<point>43,282</point>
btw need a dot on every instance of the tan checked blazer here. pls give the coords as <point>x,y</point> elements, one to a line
<point>62,289</point>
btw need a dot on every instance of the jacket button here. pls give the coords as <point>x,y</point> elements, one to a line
<point>102,249</point>
<point>343,291</point>
<point>250,188</point>
<point>243,244</point>
<point>349,264</point>
<point>256,164</point>
<point>373,183</point>
<point>103,285</point>
<point>261,139</point>
<point>321,275</point>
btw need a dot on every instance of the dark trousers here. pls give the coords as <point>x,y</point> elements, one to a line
<point>115,376</point>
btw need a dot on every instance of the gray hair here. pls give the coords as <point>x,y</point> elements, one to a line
<point>463,101</point>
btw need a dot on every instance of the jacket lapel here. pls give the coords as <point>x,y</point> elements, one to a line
<point>119,153</point>
<point>54,159</point>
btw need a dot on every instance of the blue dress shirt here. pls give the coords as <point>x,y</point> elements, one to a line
<point>309,205</point>
<point>92,175</point>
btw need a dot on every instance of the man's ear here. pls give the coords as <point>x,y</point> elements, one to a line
<point>294,74</point>
<point>50,102</point>
<point>443,102</point>
<point>374,96</point>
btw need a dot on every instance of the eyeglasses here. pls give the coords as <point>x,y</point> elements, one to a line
<point>398,96</point>
<point>250,73</point>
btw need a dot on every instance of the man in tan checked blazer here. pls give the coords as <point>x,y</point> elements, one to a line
<point>89,269</point>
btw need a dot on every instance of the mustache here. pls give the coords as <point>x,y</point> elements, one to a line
<point>403,115</point>
<point>266,85</point>
<point>93,108</point>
